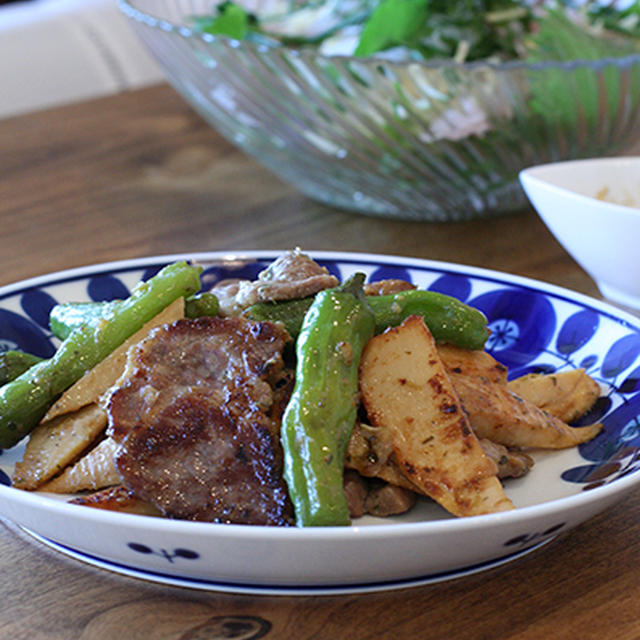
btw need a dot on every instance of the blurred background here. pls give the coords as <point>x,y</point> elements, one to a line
<point>54,52</point>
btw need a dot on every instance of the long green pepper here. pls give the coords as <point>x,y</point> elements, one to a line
<point>65,317</point>
<point>321,413</point>
<point>24,400</point>
<point>14,363</point>
<point>448,319</point>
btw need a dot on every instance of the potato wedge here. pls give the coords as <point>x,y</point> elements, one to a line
<point>472,363</point>
<point>567,395</point>
<point>370,453</point>
<point>96,470</point>
<point>96,381</point>
<point>55,444</point>
<point>406,390</point>
<point>499,415</point>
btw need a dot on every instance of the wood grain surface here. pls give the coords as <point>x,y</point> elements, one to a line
<point>141,174</point>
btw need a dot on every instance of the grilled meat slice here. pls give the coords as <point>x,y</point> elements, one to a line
<point>118,499</point>
<point>387,287</point>
<point>192,422</point>
<point>375,497</point>
<point>511,463</point>
<point>355,490</point>
<point>292,275</point>
<point>384,500</point>
<point>370,453</point>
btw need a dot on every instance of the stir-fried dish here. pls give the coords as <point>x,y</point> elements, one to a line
<point>291,399</point>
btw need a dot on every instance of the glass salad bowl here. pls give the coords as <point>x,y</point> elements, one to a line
<point>409,140</point>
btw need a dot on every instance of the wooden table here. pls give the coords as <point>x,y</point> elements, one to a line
<point>140,174</point>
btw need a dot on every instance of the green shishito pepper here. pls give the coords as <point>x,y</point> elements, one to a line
<point>320,415</point>
<point>67,316</point>
<point>448,319</point>
<point>14,363</point>
<point>24,400</point>
<point>202,304</point>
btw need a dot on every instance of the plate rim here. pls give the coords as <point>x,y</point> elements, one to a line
<point>125,264</point>
<point>328,589</point>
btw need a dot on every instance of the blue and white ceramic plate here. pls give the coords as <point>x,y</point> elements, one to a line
<point>535,327</point>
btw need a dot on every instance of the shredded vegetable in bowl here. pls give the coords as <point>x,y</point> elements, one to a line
<point>436,29</point>
<point>412,109</point>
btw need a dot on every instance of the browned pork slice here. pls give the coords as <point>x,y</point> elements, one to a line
<point>511,463</point>
<point>387,287</point>
<point>293,275</point>
<point>370,453</point>
<point>192,422</point>
<point>375,497</point>
<point>117,498</point>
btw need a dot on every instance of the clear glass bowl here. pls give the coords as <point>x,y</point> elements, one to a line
<point>404,140</point>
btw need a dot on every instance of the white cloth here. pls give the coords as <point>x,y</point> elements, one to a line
<point>55,52</point>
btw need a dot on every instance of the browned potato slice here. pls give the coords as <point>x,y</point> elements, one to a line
<point>499,415</point>
<point>370,453</point>
<point>55,444</point>
<point>472,363</point>
<point>96,381</point>
<point>405,389</point>
<point>117,499</point>
<point>93,471</point>
<point>567,395</point>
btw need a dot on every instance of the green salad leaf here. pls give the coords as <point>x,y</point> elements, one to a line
<point>443,29</point>
<point>569,98</point>
<point>464,30</point>
<point>393,23</point>
<point>625,21</point>
<point>472,30</point>
<point>231,20</point>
